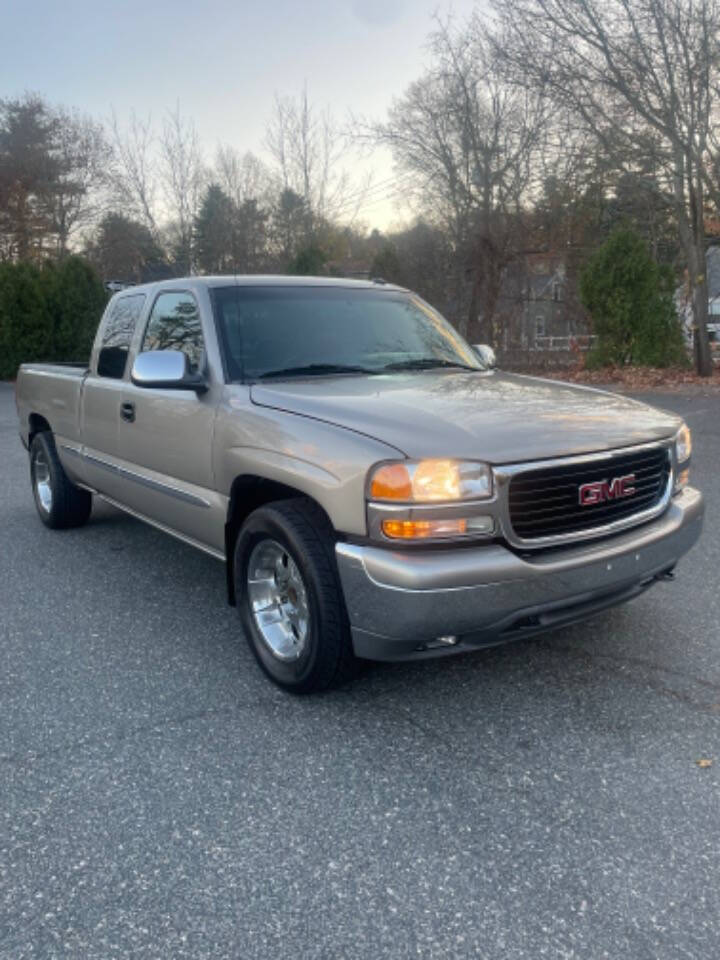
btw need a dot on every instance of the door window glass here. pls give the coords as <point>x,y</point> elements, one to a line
<point>174,324</point>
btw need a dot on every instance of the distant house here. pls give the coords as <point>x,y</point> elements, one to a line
<point>349,268</point>
<point>713,277</point>
<point>684,306</point>
<point>535,311</point>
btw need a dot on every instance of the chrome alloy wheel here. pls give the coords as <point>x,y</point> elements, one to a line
<point>278,600</point>
<point>41,481</point>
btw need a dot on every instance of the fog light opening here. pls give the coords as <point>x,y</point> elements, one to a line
<point>483,525</point>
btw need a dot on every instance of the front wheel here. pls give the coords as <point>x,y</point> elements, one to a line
<point>60,504</point>
<point>289,597</point>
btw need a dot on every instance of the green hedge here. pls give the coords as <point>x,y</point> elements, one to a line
<point>48,313</point>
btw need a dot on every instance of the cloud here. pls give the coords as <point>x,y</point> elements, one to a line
<point>378,13</point>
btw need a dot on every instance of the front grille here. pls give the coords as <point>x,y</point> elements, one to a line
<point>546,503</point>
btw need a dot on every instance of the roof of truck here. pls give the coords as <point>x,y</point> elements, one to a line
<point>267,280</point>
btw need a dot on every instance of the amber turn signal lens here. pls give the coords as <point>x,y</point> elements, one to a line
<point>422,529</point>
<point>391,482</point>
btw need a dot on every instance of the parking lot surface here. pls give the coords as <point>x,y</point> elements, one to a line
<point>160,798</point>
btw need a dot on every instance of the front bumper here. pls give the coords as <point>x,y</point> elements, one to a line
<point>400,602</point>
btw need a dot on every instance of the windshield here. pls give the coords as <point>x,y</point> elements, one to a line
<point>305,330</point>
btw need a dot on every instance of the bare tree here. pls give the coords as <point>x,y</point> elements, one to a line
<point>469,139</point>
<point>242,176</point>
<point>182,176</point>
<point>52,168</point>
<point>308,149</point>
<point>639,74</point>
<point>73,197</point>
<point>133,173</point>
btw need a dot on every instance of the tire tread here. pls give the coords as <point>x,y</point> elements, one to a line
<point>71,505</point>
<point>337,664</point>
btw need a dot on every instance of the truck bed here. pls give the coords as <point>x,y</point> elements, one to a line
<point>52,391</point>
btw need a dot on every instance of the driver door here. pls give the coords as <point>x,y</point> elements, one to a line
<point>166,435</point>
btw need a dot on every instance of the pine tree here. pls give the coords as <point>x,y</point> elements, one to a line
<point>630,299</point>
<point>215,232</point>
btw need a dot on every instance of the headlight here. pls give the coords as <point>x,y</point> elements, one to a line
<point>430,481</point>
<point>683,452</point>
<point>683,444</point>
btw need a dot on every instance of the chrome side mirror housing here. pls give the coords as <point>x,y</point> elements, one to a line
<point>486,354</point>
<point>166,370</point>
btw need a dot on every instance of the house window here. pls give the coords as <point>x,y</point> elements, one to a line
<point>539,327</point>
<point>556,290</point>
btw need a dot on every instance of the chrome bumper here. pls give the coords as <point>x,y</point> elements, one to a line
<point>399,602</point>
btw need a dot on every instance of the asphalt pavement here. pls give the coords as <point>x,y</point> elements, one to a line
<point>159,798</point>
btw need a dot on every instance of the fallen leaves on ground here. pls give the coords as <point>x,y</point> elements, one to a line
<point>704,762</point>
<point>635,379</point>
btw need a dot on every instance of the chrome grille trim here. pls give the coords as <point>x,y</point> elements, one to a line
<point>504,474</point>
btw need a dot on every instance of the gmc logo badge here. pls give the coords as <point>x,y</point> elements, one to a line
<point>601,490</point>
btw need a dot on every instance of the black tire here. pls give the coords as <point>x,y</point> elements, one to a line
<point>60,504</point>
<point>303,530</point>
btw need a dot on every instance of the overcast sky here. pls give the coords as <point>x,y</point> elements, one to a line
<point>223,61</point>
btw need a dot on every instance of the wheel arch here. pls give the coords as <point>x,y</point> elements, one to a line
<point>247,493</point>
<point>37,424</point>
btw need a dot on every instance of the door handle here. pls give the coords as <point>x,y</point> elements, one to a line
<point>127,412</point>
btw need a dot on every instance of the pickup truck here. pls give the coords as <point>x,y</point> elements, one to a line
<point>373,486</point>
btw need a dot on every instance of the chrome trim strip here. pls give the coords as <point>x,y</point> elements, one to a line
<point>156,485</point>
<point>71,450</point>
<point>505,473</point>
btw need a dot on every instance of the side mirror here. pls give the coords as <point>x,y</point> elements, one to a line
<point>166,370</point>
<point>486,354</point>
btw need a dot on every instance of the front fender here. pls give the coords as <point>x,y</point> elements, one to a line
<point>323,461</point>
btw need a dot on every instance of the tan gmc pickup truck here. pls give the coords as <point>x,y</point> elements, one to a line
<point>373,486</point>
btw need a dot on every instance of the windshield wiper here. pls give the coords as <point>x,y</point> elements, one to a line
<point>426,363</point>
<point>314,369</point>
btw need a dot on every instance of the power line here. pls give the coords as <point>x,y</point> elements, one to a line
<point>363,196</point>
<point>392,195</point>
<point>367,199</point>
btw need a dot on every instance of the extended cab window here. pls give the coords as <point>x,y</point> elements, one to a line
<point>174,324</point>
<point>117,335</point>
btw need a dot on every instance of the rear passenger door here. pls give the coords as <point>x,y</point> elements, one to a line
<point>102,395</point>
<point>167,443</point>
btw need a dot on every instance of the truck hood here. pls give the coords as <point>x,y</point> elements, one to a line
<point>498,417</point>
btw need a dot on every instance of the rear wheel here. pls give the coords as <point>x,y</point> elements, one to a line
<point>60,504</point>
<point>289,597</point>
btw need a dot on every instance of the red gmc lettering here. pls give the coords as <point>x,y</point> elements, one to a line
<point>600,491</point>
